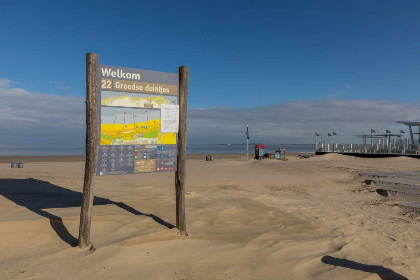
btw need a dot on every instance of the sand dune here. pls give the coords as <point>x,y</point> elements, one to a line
<point>300,219</point>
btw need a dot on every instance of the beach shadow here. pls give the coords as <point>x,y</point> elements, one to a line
<point>382,272</point>
<point>36,195</point>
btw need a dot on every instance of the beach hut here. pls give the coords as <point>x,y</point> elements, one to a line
<point>259,151</point>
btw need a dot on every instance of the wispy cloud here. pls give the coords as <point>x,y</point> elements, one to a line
<point>60,84</point>
<point>348,86</point>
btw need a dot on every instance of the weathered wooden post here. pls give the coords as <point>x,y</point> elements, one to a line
<point>180,174</point>
<point>92,146</point>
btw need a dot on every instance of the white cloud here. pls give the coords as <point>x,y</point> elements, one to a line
<point>297,121</point>
<point>5,83</point>
<point>42,120</point>
<point>34,119</point>
<point>347,86</point>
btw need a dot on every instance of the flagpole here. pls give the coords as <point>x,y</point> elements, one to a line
<point>328,145</point>
<point>247,139</point>
<point>247,149</point>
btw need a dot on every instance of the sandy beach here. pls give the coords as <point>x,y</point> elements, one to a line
<point>311,218</point>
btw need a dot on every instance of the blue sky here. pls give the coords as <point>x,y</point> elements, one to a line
<point>241,54</point>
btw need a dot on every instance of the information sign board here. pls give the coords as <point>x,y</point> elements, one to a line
<point>139,119</point>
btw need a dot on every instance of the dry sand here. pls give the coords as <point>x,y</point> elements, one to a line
<point>297,219</point>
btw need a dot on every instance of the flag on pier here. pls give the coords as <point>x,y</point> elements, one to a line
<point>247,132</point>
<point>316,134</point>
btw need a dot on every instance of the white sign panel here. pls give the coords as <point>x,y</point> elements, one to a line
<point>169,118</point>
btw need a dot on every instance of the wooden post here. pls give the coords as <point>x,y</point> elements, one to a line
<point>180,174</point>
<point>92,146</point>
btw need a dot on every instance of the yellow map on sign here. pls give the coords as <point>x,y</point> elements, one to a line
<point>130,134</point>
<point>125,127</point>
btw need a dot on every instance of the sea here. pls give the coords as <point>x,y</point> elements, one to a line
<point>191,149</point>
<point>241,148</point>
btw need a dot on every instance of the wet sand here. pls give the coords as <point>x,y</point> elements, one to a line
<point>309,218</point>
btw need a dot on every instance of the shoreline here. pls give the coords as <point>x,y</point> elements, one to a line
<point>78,158</point>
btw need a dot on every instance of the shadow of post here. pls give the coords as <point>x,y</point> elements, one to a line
<point>383,272</point>
<point>58,226</point>
<point>136,212</point>
<point>36,195</point>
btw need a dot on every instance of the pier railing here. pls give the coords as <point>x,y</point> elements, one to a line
<point>382,146</point>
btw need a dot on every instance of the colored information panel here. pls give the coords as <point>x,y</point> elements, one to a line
<point>138,121</point>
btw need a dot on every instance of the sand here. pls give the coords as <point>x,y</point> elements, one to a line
<point>309,218</point>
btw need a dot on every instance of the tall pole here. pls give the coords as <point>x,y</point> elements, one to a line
<point>247,139</point>
<point>371,140</point>
<point>328,146</point>
<point>388,144</point>
<point>180,174</point>
<point>247,148</point>
<point>92,146</point>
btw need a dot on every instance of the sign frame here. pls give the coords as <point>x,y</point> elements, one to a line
<point>92,149</point>
<point>123,149</point>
